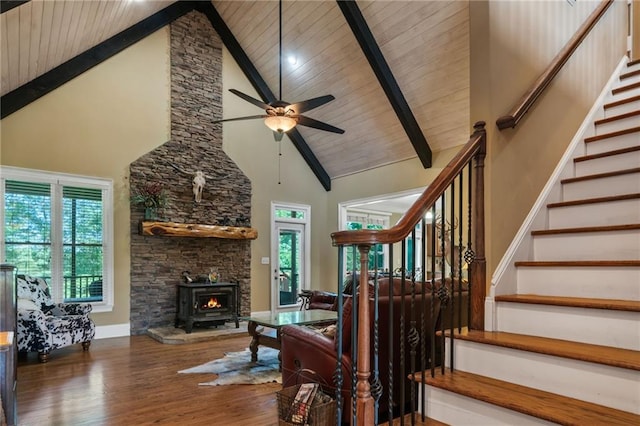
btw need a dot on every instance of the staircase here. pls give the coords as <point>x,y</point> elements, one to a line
<point>567,345</point>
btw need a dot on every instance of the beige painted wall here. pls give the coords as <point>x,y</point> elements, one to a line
<point>95,125</point>
<point>512,42</point>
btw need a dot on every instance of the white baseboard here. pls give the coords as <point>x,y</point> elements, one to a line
<point>114,330</point>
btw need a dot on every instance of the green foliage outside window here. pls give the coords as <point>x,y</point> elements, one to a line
<point>376,253</point>
<point>28,234</point>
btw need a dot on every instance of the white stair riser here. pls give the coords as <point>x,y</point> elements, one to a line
<point>614,185</point>
<point>608,164</point>
<point>621,124</point>
<point>620,109</point>
<point>625,93</point>
<point>614,143</point>
<point>618,212</point>
<point>613,245</point>
<point>600,384</point>
<point>619,329</point>
<point>459,410</point>
<point>610,282</point>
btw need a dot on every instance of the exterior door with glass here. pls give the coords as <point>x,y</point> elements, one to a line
<point>288,266</point>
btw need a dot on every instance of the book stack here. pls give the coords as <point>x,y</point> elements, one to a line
<point>302,403</point>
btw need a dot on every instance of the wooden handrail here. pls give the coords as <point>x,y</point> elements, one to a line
<point>530,97</point>
<point>475,145</point>
<point>474,149</point>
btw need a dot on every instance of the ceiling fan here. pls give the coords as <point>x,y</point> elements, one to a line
<point>281,116</point>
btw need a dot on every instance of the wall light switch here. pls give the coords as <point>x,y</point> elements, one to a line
<point>264,261</point>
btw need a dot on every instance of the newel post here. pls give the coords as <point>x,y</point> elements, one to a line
<point>479,265</point>
<point>364,400</point>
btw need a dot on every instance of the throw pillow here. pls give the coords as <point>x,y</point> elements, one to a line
<point>36,290</point>
<point>27,304</point>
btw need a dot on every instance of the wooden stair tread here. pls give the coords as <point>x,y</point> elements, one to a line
<point>594,200</point>
<point>608,228</point>
<point>629,74</point>
<point>630,100</point>
<point>534,402</point>
<point>632,63</point>
<point>612,134</point>
<point>617,117</point>
<point>600,175</point>
<point>606,355</point>
<point>625,88</point>
<point>578,263</point>
<point>575,302</point>
<point>607,154</point>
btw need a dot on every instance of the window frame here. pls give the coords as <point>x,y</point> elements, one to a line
<point>57,182</point>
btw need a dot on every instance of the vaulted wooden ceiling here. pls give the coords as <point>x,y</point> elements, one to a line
<point>399,69</point>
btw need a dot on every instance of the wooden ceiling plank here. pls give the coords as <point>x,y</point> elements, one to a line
<point>54,37</point>
<point>24,42</point>
<point>4,52</point>
<point>99,22</point>
<point>385,77</point>
<point>53,79</point>
<point>71,9</point>
<point>111,25</point>
<point>87,11</point>
<point>34,38</point>
<point>263,90</point>
<point>13,42</point>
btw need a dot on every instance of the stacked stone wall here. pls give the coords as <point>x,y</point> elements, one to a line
<point>195,145</point>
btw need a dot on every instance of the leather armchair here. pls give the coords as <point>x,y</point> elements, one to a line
<point>322,300</point>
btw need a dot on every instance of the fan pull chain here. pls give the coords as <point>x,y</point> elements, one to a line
<point>279,159</point>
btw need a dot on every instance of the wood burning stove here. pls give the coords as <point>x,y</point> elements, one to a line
<point>214,303</point>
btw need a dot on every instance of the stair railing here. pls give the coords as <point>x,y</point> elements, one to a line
<point>535,91</point>
<point>442,244</point>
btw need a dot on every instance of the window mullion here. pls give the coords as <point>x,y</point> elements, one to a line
<point>57,279</point>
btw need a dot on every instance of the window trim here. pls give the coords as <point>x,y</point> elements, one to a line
<point>58,180</point>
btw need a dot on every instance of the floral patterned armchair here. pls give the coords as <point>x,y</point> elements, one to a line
<point>44,325</point>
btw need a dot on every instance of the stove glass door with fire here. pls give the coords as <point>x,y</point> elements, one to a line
<point>207,303</point>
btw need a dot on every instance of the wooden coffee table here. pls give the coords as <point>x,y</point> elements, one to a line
<point>271,337</point>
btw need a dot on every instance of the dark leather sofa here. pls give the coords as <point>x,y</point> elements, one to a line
<point>305,348</point>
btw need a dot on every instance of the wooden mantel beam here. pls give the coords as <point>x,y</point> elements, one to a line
<point>172,229</point>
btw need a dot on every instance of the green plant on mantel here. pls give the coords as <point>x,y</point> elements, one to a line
<point>152,196</point>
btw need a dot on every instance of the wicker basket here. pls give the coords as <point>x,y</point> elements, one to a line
<point>322,410</point>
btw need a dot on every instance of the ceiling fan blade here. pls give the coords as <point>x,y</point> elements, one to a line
<point>277,136</point>
<point>309,104</point>
<point>249,99</point>
<point>250,117</point>
<point>310,122</point>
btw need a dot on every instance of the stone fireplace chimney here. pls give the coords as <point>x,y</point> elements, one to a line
<point>196,145</point>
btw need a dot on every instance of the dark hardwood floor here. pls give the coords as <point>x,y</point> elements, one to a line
<point>135,381</point>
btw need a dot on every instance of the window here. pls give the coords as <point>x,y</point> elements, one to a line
<point>378,254</point>
<point>58,227</point>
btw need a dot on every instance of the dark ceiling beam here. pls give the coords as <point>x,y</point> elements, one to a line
<point>261,86</point>
<point>51,80</point>
<point>7,5</point>
<point>379,65</point>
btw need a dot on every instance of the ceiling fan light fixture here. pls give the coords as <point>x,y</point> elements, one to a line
<point>280,123</point>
